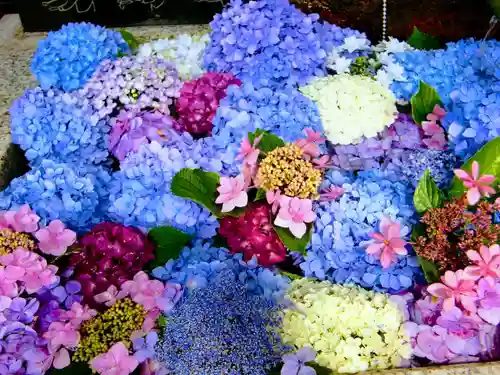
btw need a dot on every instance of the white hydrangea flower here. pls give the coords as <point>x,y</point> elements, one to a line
<point>350,328</point>
<point>341,65</point>
<point>184,51</point>
<point>353,43</point>
<point>352,107</point>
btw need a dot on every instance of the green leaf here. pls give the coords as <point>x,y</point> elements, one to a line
<point>131,40</point>
<point>430,270</point>
<point>260,195</point>
<point>161,321</point>
<point>423,102</point>
<point>495,4</point>
<point>417,231</point>
<point>427,194</point>
<point>291,276</point>
<point>198,186</point>
<point>268,141</point>
<point>169,244</point>
<point>219,241</point>
<point>420,40</point>
<point>293,243</point>
<point>488,158</point>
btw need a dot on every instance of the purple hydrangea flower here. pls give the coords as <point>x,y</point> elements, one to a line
<point>144,347</point>
<point>68,294</point>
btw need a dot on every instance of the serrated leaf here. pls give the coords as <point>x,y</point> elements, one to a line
<point>423,102</point>
<point>169,244</point>
<point>268,142</point>
<point>131,40</point>
<point>293,243</point>
<point>430,270</point>
<point>420,40</point>
<point>488,158</point>
<point>198,186</point>
<point>427,194</point>
<point>260,195</point>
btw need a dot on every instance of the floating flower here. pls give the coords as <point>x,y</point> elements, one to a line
<point>455,287</point>
<point>116,361</point>
<point>21,220</point>
<point>295,364</point>
<point>388,243</point>
<point>55,239</point>
<point>487,262</point>
<point>79,314</point>
<point>477,186</point>
<point>294,213</point>
<point>232,193</point>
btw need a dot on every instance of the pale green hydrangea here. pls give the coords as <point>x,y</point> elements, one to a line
<point>352,106</point>
<point>350,328</point>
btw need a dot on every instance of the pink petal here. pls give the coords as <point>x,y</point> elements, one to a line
<point>439,111</point>
<point>473,196</point>
<point>270,196</point>
<point>455,343</point>
<point>377,236</point>
<point>297,229</point>
<point>228,206</point>
<point>491,315</point>
<point>241,200</point>
<point>450,279</point>
<point>56,226</point>
<point>473,272</point>
<point>486,190</point>
<point>61,359</point>
<point>494,250</point>
<point>374,248</point>
<point>474,255</point>
<point>462,175</point>
<point>475,170</point>
<point>448,304</point>
<point>398,246</point>
<point>469,303</point>
<point>486,179</point>
<point>439,290</point>
<point>385,224</point>
<point>282,222</point>
<point>386,258</point>
<point>394,231</point>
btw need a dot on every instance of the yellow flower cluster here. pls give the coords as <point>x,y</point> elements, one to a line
<point>114,325</point>
<point>10,241</point>
<point>350,328</point>
<point>285,168</point>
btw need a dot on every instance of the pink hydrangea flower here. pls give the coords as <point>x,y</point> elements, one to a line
<point>8,280</point>
<point>331,193</point>
<point>274,198</point>
<point>79,314</point>
<point>313,136</point>
<point>309,145</point>
<point>61,335</point>
<point>248,150</point>
<point>387,244</point>
<point>459,324</point>
<point>437,114</point>
<point>294,213</point>
<point>171,294</point>
<point>487,262</point>
<point>232,193</point>
<point>323,162</point>
<point>22,220</point>
<point>147,293</point>
<point>116,361</point>
<point>427,310</point>
<point>488,292</point>
<point>477,186</point>
<point>431,343</point>
<point>55,238</point>
<point>455,287</point>
<point>110,296</point>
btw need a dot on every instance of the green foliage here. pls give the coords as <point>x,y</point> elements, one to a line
<point>427,195</point>
<point>420,40</point>
<point>488,158</point>
<point>423,102</point>
<point>430,270</point>
<point>131,40</point>
<point>260,195</point>
<point>169,244</point>
<point>293,243</point>
<point>268,142</point>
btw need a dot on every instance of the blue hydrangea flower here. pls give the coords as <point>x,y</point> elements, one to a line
<point>140,192</point>
<point>467,77</point>
<point>221,329</point>
<point>202,263</point>
<point>284,112</point>
<point>67,58</point>
<point>337,251</point>
<point>271,42</point>
<point>58,126</point>
<point>76,195</point>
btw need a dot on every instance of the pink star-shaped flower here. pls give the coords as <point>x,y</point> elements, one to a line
<point>455,287</point>
<point>477,186</point>
<point>388,243</point>
<point>487,262</point>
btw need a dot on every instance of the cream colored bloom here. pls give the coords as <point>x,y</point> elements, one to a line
<point>352,107</point>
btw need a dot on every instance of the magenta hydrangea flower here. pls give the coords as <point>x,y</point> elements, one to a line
<point>199,100</point>
<point>55,239</point>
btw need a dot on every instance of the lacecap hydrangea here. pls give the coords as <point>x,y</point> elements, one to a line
<point>284,112</point>
<point>140,192</point>
<point>466,76</point>
<point>76,195</point>
<point>337,252</point>
<point>67,58</point>
<point>271,41</point>
<point>51,124</point>
<point>201,263</point>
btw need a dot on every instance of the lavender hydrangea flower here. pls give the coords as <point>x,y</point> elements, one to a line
<point>67,58</point>
<point>132,84</point>
<point>140,192</point>
<point>337,251</point>
<point>22,310</point>
<point>76,195</point>
<point>58,126</point>
<point>200,264</point>
<point>68,294</point>
<point>237,339</point>
<point>284,112</point>
<point>466,76</point>
<point>271,42</point>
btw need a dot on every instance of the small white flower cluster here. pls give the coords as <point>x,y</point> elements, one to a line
<point>352,44</point>
<point>352,107</point>
<point>351,329</point>
<point>389,70</point>
<point>184,51</point>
